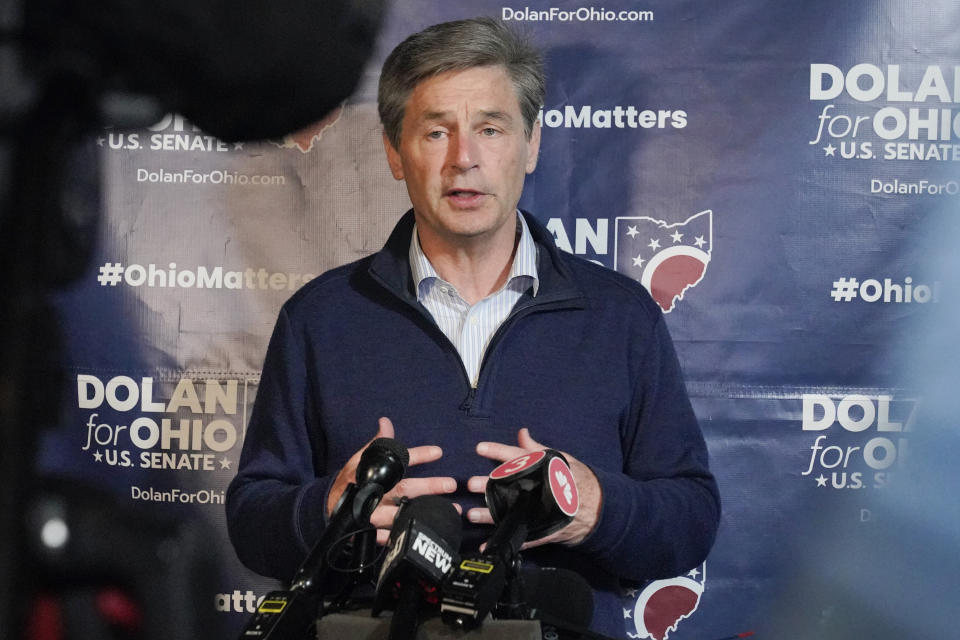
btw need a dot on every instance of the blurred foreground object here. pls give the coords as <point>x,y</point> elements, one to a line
<point>894,571</point>
<point>239,71</point>
<point>103,570</point>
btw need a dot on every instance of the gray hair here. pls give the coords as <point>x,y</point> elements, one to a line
<point>456,46</point>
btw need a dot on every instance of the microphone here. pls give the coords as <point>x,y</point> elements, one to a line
<point>287,614</point>
<point>529,497</point>
<point>381,466</point>
<point>558,596</point>
<point>421,552</point>
<point>561,600</point>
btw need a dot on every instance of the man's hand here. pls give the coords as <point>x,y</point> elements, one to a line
<point>383,516</point>
<point>591,496</point>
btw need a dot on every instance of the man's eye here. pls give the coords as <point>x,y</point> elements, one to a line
<point>435,135</point>
<point>489,131</point>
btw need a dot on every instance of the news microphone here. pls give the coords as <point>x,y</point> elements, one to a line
<point>529,497</point>
<point>289,614</point>
<point>421,552</point>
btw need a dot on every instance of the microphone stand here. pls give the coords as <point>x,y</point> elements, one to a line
<point>286,615</point>
<point>352,511</point>
<point>505,543</point>
<point>363,558</point>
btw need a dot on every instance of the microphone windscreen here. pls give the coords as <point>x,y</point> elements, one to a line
<point>423,546</point>
<point>392,446</point>
<point>561,594</point>
<point>436,512</point>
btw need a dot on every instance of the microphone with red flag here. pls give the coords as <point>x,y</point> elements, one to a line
<point>529,497</point>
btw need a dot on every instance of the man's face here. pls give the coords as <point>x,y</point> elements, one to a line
<point>463,155</point>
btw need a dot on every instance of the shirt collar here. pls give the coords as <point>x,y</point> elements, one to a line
<point>524,261</point>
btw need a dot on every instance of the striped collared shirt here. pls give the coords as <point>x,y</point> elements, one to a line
<point>471,328</point>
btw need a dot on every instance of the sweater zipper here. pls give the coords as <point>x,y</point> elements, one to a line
<point>533,304</point>
<point>418,308</point>
<point>467,404</point>
<point>529,307</point>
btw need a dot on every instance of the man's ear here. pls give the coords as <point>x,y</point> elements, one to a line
<point>393,158</point>
<point>533,147</point>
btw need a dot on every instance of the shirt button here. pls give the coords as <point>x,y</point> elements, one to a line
<point>474,321</point>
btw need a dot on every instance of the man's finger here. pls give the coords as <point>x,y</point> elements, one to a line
<point>386,512</point>
<point>384,515</point>
<point>414,487</point>
<point>477,484</point>
<point>426,453</point>
<point>479,515</point>
<point>554,537</point>
<point>498,451</point>
<point>384,428</point>
<point>526,441</point>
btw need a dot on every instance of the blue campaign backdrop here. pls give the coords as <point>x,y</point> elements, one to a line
<point>775,173</point>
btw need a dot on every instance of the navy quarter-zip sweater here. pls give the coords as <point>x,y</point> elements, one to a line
<point>587,365</point>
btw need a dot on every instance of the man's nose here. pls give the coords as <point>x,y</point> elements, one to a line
<point>464,153</point>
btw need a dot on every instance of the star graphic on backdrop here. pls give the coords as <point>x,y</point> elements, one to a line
<point>654,244</point>
<point>626,613</point>
<point>237,146</point>
<point>694,573</point>
<point>632,231</point>
<point>631,593</point>
<point>97,456</point>
<point>821,481</point>
<point>100,141</point>
<point>224,463</point>
<point>829,149</point>
<point>700,242</point>
<point>638,261</point>
<point>677,236</point>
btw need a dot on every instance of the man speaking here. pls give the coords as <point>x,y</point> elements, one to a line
<point>471,339</point>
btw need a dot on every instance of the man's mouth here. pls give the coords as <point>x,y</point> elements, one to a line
<point>465,197</point>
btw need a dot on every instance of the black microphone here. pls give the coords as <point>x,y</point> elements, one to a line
<point>422,551</point>
<point>562,601</point>
<point>529,497</point>
<point>381,466</point>
<point>289,614</point>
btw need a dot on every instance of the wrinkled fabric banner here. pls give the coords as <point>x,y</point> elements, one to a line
<point>774,173</point>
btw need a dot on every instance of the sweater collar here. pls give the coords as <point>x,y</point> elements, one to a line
<point>391,265</point>
<point>523,265</point>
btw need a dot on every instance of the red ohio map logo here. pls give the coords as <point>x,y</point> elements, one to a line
<point>662,605</point>
<point>667,259</point>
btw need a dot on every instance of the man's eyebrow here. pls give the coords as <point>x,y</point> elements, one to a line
<point>439,116</point>
<point>501,116</point>
<point>433,116</point>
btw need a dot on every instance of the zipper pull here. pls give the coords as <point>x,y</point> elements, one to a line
<point>468,401</point>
